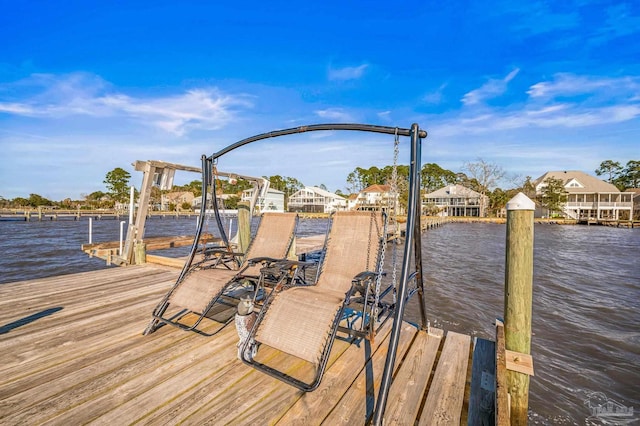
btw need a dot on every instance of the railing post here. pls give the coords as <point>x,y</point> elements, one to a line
<point>518,293</point>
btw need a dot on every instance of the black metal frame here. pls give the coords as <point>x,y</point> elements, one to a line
<point>412,241</point>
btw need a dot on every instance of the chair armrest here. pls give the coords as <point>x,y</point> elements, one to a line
<point>362,276</point>
<point>221,251</point>
<point>264,259</point>
<point>287,265</point>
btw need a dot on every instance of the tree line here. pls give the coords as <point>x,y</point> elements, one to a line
<point>481,176</point>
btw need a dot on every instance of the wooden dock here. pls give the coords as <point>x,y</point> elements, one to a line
<point>73,353</point>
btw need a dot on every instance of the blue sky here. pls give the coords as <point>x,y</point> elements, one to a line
<point>532,86</point>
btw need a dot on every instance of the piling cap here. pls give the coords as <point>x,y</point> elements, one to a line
<point>521,202</point>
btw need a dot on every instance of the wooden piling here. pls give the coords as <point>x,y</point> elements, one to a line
<point>244,226</point>
<point>518,298</point>
<point>140,252</point>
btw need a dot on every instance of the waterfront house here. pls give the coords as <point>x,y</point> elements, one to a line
<point>273,200</point>
<point>176,199</point>
<point>455,200</point>
<point>636,202</point>
<point>376,197</point>
<point>352,201</point>
<point>312,199</point>
<point>589,198</point>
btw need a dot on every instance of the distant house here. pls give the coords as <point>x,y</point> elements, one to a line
<point>455,200</point>
<point>176,199</point>
<point>352,201</point>
<point>589,198</point>
<point>376,197</point>
<point>273,201</point>
<point>636,202</point>
<point>312,199</point>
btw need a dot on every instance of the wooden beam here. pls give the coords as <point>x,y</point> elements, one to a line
<point>483,383</point>
<point>503,415</point>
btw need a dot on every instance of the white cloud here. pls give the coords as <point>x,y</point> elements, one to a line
<point>335,114</point>
<point>435,97</point>
<point>565,84</point>
<point>347,73</point>
<point>491,89</point>
<point>84,94</point>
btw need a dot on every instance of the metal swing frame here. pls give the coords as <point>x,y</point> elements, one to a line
<point>412,246</point>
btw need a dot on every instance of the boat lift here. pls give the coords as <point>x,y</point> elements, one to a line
<point>161,174</point>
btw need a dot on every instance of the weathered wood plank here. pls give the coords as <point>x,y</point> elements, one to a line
<point>64,316</point>
<point>254,391</point>
<point>444,402</point>
<point>357,405</point>
<point>219,364</point>
<point>111,279</point>
<point>409,385</point>
<point>116,382</point>
<point>313,407</point>
<point>73,346</point>
<point>503,411</point>
<point>483,383</point>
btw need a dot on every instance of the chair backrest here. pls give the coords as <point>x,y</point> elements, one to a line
<point>273,237</point>
<point>352,247</point>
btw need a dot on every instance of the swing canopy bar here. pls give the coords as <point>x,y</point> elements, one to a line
<point>317,127</point>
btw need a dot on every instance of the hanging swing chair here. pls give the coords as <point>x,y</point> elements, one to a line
<point>357,298</point>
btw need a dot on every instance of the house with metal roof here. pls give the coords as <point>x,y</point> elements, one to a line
<point>589,198</point>
<point>312,199</point>
<point>455,200</point>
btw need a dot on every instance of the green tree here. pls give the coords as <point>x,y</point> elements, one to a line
<point>231,202</point>
<point>610,169</point>
<point>36,200</point>
<point>553,195</point>
<point>528,188</point>
<point>20,202</point>
<point>117,181</point>
<point>629,177</point>
<point>434,177</point>
<point>498,199</point>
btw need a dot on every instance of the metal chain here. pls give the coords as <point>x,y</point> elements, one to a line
<point>382,241</point>
<point>394,190</point>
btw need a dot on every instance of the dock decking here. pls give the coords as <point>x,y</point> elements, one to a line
<point>73,353</point>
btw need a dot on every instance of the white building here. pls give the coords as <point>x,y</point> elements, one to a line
<point>312,199</point>
<point>589,197</point>
<point>273,201</point>
<point>455,200</point>
<point>377,197</point>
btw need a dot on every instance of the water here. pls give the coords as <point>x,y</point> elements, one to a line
<point>586,303</point>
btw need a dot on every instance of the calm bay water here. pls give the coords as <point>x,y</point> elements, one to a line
<point>586,304</point>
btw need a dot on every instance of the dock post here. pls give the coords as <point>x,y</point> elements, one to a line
<point>140,252</point>
<point>518,293</point>
<point>244,226</point>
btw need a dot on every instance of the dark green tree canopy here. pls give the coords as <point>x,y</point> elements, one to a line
<point>553,194</point>
<point>117,181</point>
